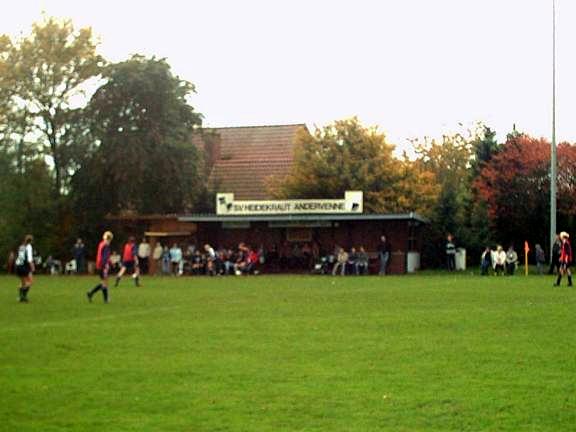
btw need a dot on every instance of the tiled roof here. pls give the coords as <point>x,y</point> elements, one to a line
<point>246,157</point>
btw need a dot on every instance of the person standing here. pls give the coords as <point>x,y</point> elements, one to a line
<point>210,260</point>
<point>102,266</point>
<point>540,258</point>
<point>79,254</point>
<point>554,263</point>
<point>485,261</point>
<point>176,259</point>
<point>450,253</point>
<point>25,267</point>
<point>144,255</point>
<point>165,260</point>
<point>129,262</point>
<point>383,255</point>
<point>565,259</point>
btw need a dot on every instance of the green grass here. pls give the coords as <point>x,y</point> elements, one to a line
<point>413,353</point>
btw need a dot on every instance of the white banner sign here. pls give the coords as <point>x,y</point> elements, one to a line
<point>352,203</point>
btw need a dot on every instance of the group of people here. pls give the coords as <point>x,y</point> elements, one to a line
<point>505,262</point>
<point>356,261</point>
<point>207,260</point>
<point>500,261</point>
<point>245,260</point>
<point>353,262</point>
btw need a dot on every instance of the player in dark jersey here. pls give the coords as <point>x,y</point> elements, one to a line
<point>24,266</point>
<point>565,259</point>
<point>129,262</point>
<point>102,266</point>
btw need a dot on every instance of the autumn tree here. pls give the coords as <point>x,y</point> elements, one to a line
<point>455,159</point>
<point>516,187</point>
<point>449,160</point>
<point>348,156</point>
<point>144,159</point>
<point>42,79</point>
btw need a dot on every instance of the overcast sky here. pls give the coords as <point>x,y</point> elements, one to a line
<point>411,67</point>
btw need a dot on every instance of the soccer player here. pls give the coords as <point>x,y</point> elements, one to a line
<point>103,267</point>
<point>25,268</point>
<point>565,259</point>
<point>129,262</point>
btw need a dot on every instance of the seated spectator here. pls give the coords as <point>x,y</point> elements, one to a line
<point>53,266</point>
<point>70,267</point>
<point>485,261</point>
<point>351,263</point>
<point>252,262</point>
<point>228,260</point>
<point>499,260</point>
<point>341,260</point>
<point>362,262</point>
<point>198,263</point>
<point>115,259</point>
<point>241,259</point>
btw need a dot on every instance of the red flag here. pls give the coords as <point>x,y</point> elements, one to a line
<point>526,247</point>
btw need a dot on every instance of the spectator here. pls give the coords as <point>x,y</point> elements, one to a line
<point>70,267</point>
<point>351,264</point>
<point>211,259</point>
<point>511,260</point>
<point>165,260</point>
<point>341,260</point>
<point>555,261</point>
<point>540,258</point>
<point>157,257</point>
<point>485,261</point>
<point>115,262</point>
<point>53,266</point>
<point>241,259</point>
<point>383,255</point>
<point>144,255</point>
<point>176,259</point>
<point>362,262</point>
<point>79,254</point>
<point>499,260</point>
<point>228,259</point>
<point>198,264</point>
<point>450,253</point>
<point>252,261</point>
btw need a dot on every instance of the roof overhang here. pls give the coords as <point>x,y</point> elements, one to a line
<point>304,217</point>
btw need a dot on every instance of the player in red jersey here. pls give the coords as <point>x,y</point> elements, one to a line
<point>102,266</point>
<point>129,262</point>
<point>565,259</point>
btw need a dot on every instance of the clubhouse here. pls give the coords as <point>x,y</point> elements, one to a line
<point>240,162</point>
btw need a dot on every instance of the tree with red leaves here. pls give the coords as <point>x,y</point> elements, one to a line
<point>515,184</point>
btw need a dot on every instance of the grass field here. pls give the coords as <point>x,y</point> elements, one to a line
<point>429,352</point>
